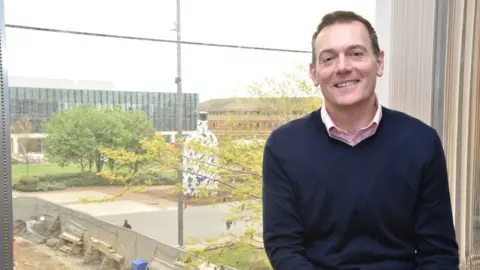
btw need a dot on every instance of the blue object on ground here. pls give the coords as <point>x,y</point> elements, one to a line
<point>139,265</point>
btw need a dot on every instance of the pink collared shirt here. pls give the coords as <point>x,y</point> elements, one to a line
<point>344,136</point>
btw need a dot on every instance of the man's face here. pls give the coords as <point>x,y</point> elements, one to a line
<point>346,68</point>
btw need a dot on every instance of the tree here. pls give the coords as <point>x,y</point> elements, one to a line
<point>277,100</point>
<point>23,126</point>
<point>287,98</point>
<point>149,159</point>
<point>78,134</point>
<point>135,126</point>
<point>239,166</point>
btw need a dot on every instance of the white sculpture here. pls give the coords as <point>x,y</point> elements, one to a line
<point>194,176</point>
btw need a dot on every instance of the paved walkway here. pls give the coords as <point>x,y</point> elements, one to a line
<point>200,222</point>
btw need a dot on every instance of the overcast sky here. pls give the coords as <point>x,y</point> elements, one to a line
<point>151,66</point>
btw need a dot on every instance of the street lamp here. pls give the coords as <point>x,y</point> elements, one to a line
<point>178,81</point>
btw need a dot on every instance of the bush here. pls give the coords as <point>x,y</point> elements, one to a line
<point>16,161</point>
<point>77,179</point>
<point>49,186</point>
<point>168,180</point>
<point>63,177</point>
<point>28,180</point>
<point>42,186</point>
<point>158,180</point>
<point>87,179</point>
<point>145,177</point>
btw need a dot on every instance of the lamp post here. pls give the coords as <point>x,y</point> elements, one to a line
<point>178,81</point>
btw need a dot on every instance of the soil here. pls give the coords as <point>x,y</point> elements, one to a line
<point>31,256</point>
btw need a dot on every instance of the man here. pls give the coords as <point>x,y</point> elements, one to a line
<point>126,225</point>
<point>354,185</point>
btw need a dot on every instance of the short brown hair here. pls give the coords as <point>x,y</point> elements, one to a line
<point>345,17</point>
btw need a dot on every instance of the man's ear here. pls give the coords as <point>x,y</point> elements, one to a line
<point>313,74</point>
<point>380,63</point>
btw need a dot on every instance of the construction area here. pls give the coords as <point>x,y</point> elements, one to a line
<point>31,256</point>
<point>53,230</point>
<point>42,242</point>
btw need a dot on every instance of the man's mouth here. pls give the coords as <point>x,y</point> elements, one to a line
<point>346,84</point>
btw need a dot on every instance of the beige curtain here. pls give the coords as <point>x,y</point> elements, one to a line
<point>461,128</point>
<point>411,57</point>
<point>416,67</point>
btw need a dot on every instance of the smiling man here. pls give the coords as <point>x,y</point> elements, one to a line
<point>354,185</point>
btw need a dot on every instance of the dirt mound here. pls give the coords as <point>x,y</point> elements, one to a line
<point>30,256</point>
<point>18,226</point>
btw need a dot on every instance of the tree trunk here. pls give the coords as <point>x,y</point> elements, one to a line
<point>90,165</point>
<point>135,168</point>
<point>111,164</point>
<point>82,166</point>
<point>98,161</point>
<point>26,161</point>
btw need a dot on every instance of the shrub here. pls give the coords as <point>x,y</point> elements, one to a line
<point>28,180</point>
<point>87,179</point>
<point>24,188</point>
<point>145,177</point>
<point>42,186</point>
<point>59,177</point>
<point>76,179</point>
<point>16,161</point>
<point>49,186</point>
<point>168,180</point>
<point>158,180</point>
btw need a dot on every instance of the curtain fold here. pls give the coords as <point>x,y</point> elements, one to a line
<point>445,93</point>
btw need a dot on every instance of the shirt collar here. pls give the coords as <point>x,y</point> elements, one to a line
<point>329,124</point>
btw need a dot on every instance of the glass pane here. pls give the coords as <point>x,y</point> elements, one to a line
<point>110,179</point>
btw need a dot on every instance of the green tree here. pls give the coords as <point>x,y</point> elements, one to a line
<point>69,139</point>
<point>78,134</point>
<point>150,159</point>
<point>288,97</point>
<point>240,170</point>
<point>135,126</point>
<point>240,166</point>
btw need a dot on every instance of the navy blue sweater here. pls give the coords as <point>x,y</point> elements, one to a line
<point>383,204</point>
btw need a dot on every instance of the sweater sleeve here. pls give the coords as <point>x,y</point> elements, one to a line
<point>282,227</point>
<point>435,238</point>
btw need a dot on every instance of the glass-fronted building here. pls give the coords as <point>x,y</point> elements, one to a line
<point>40,103</point>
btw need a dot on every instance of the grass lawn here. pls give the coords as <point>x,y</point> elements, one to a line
<point>19,170</point>
<point>244,259</point>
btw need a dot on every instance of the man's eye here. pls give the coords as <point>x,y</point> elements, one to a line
<point>327,59</point>
<point>357,53</point>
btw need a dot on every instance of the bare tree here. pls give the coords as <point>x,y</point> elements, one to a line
<point>22,126</point>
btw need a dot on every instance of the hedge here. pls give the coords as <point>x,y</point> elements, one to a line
<point>32,183</point>
<point>62,181</point>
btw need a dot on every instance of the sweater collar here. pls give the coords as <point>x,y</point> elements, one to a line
<point>333,129</point>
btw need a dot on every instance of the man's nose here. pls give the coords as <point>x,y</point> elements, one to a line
<point>343,64</point>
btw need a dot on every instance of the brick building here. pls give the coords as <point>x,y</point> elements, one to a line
<point>247,117</point>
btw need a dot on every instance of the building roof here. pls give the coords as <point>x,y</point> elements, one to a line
<point>252,104</point>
